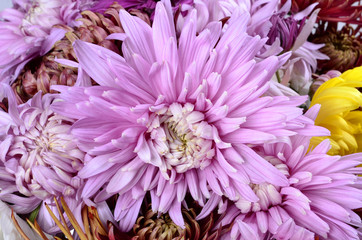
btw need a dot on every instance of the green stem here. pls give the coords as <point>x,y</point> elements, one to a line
<point>278,77</point>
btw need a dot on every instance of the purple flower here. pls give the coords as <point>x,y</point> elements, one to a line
<point>318,200</point>
<point>39,159</point>
<point>292,33</point>
<point>147,6</point>
<point>177,115</point>
<point>26,30</point>
<point>286,29</point>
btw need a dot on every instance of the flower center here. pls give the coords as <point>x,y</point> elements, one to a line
<point>43,16</point>
<point>162,227</point>
<point>181,137</point>
<point>269,195</point>
<point>35,140</point>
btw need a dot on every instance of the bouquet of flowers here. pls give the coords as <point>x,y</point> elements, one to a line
<point>181,119</point>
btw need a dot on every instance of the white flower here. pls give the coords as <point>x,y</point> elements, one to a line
<point>8,230</point>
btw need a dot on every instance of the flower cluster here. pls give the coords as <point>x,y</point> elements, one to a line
<point>179,120</point>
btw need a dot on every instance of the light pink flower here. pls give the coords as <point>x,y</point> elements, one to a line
<point>39,159</point>
<point>318,200</point>
<point>177,115</point>
<point>26,30</point>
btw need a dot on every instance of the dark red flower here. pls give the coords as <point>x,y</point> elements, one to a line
<point>343,47</point>
<point>348,11</point>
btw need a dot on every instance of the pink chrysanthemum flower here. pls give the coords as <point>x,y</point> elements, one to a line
<point>317,202</point>
<point>175,116</point>
<point>26,30</point>
<point>39,159</point>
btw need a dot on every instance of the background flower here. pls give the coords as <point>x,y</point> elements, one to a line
<point>8,230</point>
<point>40,74</point>
<point>150,225</point>
<point>343,47</point>
<point>39,159</point>
<point>26,30</point>
<point>341,100</point>
<point>293,32</point>
<point>348,11</point>
<point>318,201</point>
<point>322,79</point>
<point>146,6</point>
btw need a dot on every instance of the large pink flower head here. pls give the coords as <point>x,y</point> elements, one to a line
<point>26,30</point>
<point>177,115</point>
<point>318,200</point>
<point>39,159</point>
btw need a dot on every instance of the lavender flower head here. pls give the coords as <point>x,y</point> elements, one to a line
<point>286,29</point>
<point>176,116</point>
<point>317,202</point>
<point>292,33</point>
<point>26,30</point>
<point>39,159</point>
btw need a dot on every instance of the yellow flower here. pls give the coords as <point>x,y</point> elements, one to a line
<point>341,112</point>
